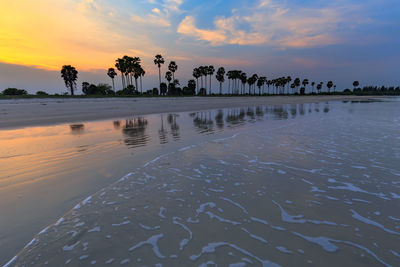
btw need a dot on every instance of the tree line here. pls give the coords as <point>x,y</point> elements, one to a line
<point>239,82</point>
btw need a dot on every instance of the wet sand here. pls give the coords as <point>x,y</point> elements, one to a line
<point>34,112</point>
<point>292,185</point>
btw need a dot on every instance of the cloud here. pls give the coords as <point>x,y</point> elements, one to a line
<point>159,17</point>
<point>271,23</point>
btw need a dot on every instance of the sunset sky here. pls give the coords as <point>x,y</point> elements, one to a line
<point>342,40</point>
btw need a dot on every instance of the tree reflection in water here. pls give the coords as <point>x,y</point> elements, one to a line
<point>77,128</point>
<point>162,132</point>
<point>174,126</point>
<point>135,132</point>
<point>203,122</point>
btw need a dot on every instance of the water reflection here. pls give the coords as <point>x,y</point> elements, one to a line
<point>117,125</point>
<point>162,132</point>
<point>135,132</point>
<point>174,126</point>
<point>77,128</point>
<point>204,122</point>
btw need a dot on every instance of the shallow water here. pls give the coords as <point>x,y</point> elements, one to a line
<point>295,185</point>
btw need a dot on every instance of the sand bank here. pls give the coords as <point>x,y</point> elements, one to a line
<point>34,112</point>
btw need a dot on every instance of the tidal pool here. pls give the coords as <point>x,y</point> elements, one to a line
<point>295,185</point>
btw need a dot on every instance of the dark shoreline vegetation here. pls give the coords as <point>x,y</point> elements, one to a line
<point>239,84</point>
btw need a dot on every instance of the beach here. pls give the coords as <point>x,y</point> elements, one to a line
<point>58,152</point>
<point>32,112</point>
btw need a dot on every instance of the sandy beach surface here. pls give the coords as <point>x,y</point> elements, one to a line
<point>33,112</point>
<point>44,171</point>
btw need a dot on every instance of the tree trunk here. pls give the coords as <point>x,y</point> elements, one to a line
<point>159,76</point>
<point>210,83</point>
<point>113,85</point>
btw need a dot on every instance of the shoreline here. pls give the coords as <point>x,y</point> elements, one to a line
<point>21,113</point>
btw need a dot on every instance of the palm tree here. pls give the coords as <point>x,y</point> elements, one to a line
<point>141,74</point>
<point>305,83</point>
<point>329,85</point>
<point>243,79</point>
<point>172,67</point>
<point>111,73</point>
<point>313,84</point>
<point>70,75</point>
<point>296,83</point>
<point>210,71</point>
<point>168,76</point>
<point>319,87</point>
<point>260,84</point>
<point>159,60</point>
<point>121,66</point>
<point>220,78</point>
<point>196,74</point>
<point>204,72</point>
<point>355,84</point>
<point>288,80</point>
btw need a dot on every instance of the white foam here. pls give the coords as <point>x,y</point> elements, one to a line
<point>152,241</point>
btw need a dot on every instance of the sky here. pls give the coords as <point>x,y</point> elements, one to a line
<point>321,40</point>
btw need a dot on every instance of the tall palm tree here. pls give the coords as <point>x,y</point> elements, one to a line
<point>196,74</point>
<point>70,75</point>
<point>210,71</point>
<point>159,60</point>
<point>220,78</point>
<point>243,79</point>
<point>305,83</point>
<point>329,85</point>
<point>121,66</point>
<point>319,87</point>
<point>172,67</point>
<point>313,84</point>
<point>142,73</point>
<point>355,84</point>
<point>204,72</point>
<point>288,80</point>
<point>259,84</point>
<point>111,73</point>
<point>297,83</point>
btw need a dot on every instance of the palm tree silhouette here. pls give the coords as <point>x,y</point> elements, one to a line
<point>305,83</point>
<point>70,75</point>
<point>196,74</point>
<point>159,60</point>
<point>319,87</point>
<point>121,66</point>
<point>312,84</point>
<point>204,72</point>
<point>243,79</point>
<point>296,83</point>
<point>355,84</point>
<point>168,76</point>
<point>111,73</point>
<point>220,78</point>
<point>172,67</point>
<point>210,71</point>
<point>329,85</point>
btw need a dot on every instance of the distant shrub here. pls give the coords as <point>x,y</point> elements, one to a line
<point>14,91</point>
<point>100,89</point>
<point>41,93</point>
<point>155,91</point>
<point>130,90</point>
<point>202,91</point>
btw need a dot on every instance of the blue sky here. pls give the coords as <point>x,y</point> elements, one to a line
<point>341,40</point>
